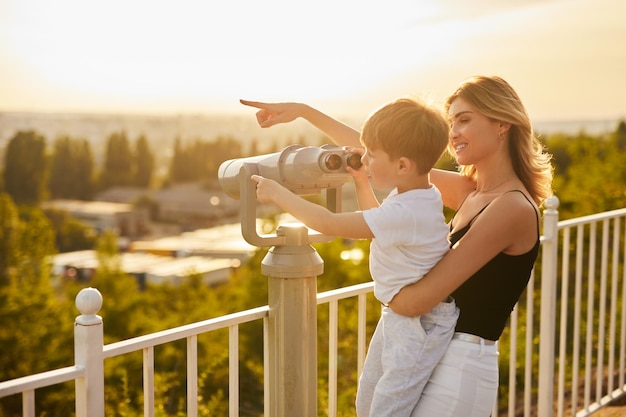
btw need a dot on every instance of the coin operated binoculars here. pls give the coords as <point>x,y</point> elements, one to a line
<point>292,264</point>
<point>305,170</point>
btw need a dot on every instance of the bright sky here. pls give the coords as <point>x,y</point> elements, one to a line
<point>566,58</point>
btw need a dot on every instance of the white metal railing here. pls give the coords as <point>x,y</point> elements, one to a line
<point>580,332</point>
<point>592,329</point>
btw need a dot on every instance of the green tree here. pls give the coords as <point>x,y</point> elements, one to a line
<point>618,138</point>
<point>179,167</point>
<point>589,173</point>
<point>200,160</point>
<point>71,169</point>
<point>71,234</point>
<point>60,183</point>
<point>118,162</point>
<point>25,168</point>
<point>35,246</point>
<point>222,149</point>
<point>83,170</point>
<point>9,233</point>
<point>202,154</point>
<point>32,315</point>
<point>144,163</point>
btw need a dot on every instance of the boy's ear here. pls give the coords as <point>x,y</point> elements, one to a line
<point>405,165</point>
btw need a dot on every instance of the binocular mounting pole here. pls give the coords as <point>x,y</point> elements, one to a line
<point>292,266</point>
<point>292,269</point>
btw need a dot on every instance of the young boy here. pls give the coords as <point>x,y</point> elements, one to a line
<point>402,140</point>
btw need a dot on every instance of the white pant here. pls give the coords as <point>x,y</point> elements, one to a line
<point>464,383</point>
<point>401,357</point>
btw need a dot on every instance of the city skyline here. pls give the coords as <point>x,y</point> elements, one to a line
<point>566,58</point>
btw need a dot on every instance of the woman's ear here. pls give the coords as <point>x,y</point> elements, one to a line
<point>504,128</point>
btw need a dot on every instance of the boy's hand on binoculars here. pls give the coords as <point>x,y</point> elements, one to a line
<point>271,114</point>
<point>266,189</point>
<point>359,174</point>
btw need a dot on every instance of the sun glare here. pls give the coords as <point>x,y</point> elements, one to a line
<point>145,50</point>
<point>192,55</point>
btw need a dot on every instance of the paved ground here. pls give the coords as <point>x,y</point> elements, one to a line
<point>611,411</point>
<point>616,409</point>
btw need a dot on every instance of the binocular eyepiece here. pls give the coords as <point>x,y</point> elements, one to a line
<point>334,161</point>
<point>302,169</point>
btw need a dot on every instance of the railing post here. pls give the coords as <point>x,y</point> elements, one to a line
<point>292,269</point>
<point>88,347</point>
<point>548,308</point>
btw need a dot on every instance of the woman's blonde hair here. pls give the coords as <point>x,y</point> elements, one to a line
<point>495,98</point>
<point>408,128</point>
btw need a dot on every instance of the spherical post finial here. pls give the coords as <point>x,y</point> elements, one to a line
<point>552,202</point>
<point>89,302</point>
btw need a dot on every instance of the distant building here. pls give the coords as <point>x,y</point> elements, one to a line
<point>212,253</point>
<point>223,241</point>
<point>124,219</point>
<point>189,205</point>
<point>147,268</point>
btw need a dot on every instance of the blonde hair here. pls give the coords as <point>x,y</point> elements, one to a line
<point>495,98</point>
<point>407,128</point>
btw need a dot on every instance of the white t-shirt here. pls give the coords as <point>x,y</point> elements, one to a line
<point>410,237</point>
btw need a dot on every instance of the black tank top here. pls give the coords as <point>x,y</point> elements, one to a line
<point>487,298</point>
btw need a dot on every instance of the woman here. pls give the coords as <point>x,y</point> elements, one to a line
<point>505,176</point>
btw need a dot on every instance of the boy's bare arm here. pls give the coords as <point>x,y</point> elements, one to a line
<point>348,225</point>
<point>365,194</point>
<point>270,114</point>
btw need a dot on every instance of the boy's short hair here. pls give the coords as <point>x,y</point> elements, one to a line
<point>407,128</point>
